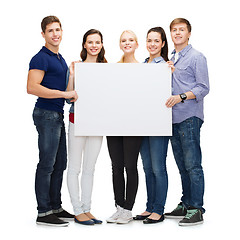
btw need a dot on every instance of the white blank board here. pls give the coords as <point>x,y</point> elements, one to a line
<point>122,99</point>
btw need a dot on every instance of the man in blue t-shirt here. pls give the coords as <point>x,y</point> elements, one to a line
<point>47,80</point>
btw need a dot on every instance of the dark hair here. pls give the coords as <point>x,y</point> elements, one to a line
<point>160,30</point>
<point>47,20</point>
<point>181,20</point>
<point>83,54</point>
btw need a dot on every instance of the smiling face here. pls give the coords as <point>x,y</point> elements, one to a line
<point>93,44</point>
<point>128,42</point>
<point>154,44</point>
<point>53,36</point>
<point>180,35</point>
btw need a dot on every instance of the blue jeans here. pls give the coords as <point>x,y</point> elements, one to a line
<point>187,153</point>
<point>153,153</point>
<point>52,159</point>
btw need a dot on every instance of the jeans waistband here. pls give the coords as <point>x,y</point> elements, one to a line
<point>50,111</point>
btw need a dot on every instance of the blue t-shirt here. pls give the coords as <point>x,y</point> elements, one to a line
<point>55,69</point>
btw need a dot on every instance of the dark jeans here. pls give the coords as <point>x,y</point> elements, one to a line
<point>154,153</point>
<point>124,153</point>
<point>187,152</point>
<point>52,159</point>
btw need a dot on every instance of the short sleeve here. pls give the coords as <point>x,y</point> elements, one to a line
<point>39,61</point>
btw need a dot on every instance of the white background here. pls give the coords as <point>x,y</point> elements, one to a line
<point>215,33</point>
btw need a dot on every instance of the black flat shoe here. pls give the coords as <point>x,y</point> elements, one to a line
<point>141,217</point>
<point>149,220</point>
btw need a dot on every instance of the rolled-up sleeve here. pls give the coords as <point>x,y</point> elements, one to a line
<point>201,89</point>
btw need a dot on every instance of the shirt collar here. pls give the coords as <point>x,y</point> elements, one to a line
<point>155,60</point>
<point>46,50</point>
<point>183,51</point>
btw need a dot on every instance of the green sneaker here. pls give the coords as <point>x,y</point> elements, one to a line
<point>193,217</point>
<point>178,213</point>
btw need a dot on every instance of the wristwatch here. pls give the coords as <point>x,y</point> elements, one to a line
<point>183,96</point>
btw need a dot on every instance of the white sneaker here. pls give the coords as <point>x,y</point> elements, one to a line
<point>116,215</point>
<point>125,217</point>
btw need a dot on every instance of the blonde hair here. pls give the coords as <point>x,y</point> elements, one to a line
<point>135,38</point>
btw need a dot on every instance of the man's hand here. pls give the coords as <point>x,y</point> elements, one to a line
<point>72,95</point>
<point>173,100</point>
<point>34,87</point>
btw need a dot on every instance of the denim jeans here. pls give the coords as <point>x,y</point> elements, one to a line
<point>187,153</point>
<point>153,153</point>
<point>52,159</point>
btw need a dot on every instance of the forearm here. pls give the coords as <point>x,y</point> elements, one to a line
<point>34,87</point>
<point>70,85</point>
<point>43,92</point>
<point>70,76</point>
<point>175,99</point>
<point>190,95</point>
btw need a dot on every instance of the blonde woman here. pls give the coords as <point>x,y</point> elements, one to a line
<point>124,151</point>
<point>84,150</point>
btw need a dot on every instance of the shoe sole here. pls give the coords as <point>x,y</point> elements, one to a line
<point>174,217</point>
<point>52,225</point>
<point>67,219</point>
<point>124,222</point>
<point>190,224</point>
<point>111,221</point>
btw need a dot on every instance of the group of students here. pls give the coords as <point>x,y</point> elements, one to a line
<point>52,81</point>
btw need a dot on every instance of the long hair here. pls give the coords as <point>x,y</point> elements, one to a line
<point>164,51</point>
<point>135,38</point>
<point>101,58</point>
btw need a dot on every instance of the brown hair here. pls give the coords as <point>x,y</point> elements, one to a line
<point>83,53</point>
<point>47,20</point>
<point>164,51</point>
<point>181,20</point>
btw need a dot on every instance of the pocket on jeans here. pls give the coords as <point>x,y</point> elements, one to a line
<point>51,115</point>
<point>37,112</point>
<point>46,115</point>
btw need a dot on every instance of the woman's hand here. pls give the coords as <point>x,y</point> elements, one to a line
<point>71,67</point>
<point>171,65</point>
<point>70,85</point>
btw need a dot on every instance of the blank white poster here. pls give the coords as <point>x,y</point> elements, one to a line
<point>122,99</point>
